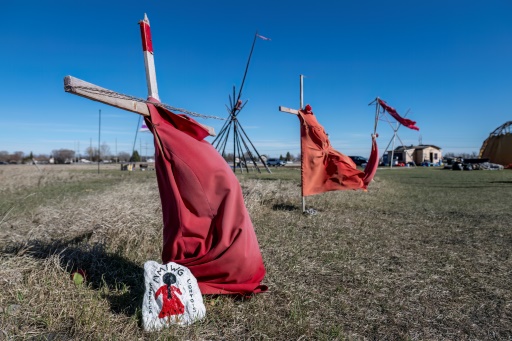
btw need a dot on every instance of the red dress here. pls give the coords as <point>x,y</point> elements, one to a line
<point>324,168</point>
<point>171,306</point>
<point>206,225</point>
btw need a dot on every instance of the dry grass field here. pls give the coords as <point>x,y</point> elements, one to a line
<point>425,254</point>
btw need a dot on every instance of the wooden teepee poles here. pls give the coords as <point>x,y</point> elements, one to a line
<point>246,69</point>
<point>243,148</point>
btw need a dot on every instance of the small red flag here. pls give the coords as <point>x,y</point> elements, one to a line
<point>405,121</point>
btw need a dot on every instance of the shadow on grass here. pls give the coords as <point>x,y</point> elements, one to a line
<point>285,207</point>
<point>119,280</point>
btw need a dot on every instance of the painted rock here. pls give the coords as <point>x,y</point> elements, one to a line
<point>172,296</point>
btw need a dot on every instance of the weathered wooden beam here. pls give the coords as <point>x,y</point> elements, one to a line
<point>91,91</point>
<point>96,93</point>
<point>288,110</point>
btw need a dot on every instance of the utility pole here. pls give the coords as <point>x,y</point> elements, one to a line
<point>146,151</point>
<point>99,141</point>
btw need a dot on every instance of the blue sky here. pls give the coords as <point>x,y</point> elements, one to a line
<point>448,62</point>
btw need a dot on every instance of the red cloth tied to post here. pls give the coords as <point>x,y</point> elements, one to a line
<point>206,225</point>
<point>324,168</point>
<point>404,121</point>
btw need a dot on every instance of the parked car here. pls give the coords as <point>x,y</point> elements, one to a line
<point>275,162</point>
<point>359,160</point>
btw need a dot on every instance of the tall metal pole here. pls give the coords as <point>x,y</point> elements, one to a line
<point>301,153</point>
<point>99,142</point>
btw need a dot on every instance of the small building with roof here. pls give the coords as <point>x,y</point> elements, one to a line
<point>423,153</point>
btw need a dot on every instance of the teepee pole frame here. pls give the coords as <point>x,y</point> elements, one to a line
<point>242,144</point>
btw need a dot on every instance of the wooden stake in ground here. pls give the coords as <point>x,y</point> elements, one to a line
<point>296,112</point>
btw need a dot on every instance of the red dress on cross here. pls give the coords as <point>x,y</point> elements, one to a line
<point>207,227</point>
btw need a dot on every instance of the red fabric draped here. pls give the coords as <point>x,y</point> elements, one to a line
<point>404,121</point>
<point>373,162</point>
<point>206,225</point>
<point>324,168</point>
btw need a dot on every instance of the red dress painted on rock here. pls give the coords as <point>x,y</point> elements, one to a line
<point>206,225</point>
<point>171,306</point>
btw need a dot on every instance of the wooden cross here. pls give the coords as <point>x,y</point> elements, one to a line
<point>96,93</point>
<point>288,110</point>
<point>296,112</point>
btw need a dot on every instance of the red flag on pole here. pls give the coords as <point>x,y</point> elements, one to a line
<point>324,168</point>
<point>404,121</point>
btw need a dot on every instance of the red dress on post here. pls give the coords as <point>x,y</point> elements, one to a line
<point>324,168</point>
<point>206,225</point>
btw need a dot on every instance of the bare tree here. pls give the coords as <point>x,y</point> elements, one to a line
<point>105,153</point>
<point>17,157</point>
<point>42,158</point>
<point>63,155</point>
<point>92,153</point>
<point>123,157</point>
<point>4,156</point>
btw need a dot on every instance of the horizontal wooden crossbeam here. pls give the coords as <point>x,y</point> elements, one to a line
<point>96,93</point>
<point>288,110</point>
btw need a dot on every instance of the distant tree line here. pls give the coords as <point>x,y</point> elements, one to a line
<point>288,157</point>
<point>472,155</point>
<point>16,157</point>
<point>66,156</point>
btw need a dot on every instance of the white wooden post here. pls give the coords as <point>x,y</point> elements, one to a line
<point>301,156</point>
<point>296,112</point>
<point>149,60</point>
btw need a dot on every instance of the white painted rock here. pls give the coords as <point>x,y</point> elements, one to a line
<point>172,296</point>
